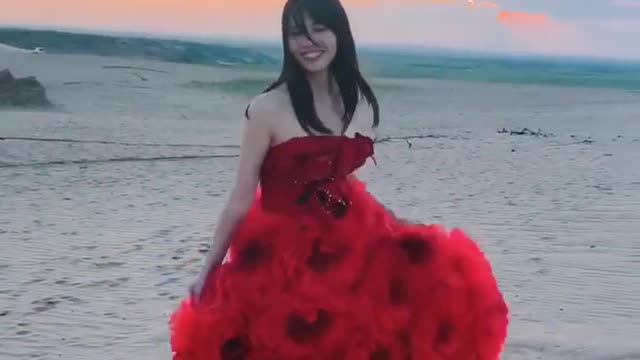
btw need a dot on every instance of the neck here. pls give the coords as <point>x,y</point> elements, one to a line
<point>320,83</point>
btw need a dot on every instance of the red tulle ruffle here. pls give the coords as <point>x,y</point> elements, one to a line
<point>366,286</point>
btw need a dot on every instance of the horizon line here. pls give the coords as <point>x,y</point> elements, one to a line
<point>409,48</point>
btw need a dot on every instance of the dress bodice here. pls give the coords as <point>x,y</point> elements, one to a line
<point>310,172</point>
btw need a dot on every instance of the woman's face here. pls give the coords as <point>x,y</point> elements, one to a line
<point>312,57</point>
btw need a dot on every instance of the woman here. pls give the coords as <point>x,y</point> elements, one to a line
<point>317,268</point>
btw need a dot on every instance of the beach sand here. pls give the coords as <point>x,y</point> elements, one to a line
<point>109,199</point>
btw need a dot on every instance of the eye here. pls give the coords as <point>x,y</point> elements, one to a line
<point>296,31</point>
<point>319,28</point>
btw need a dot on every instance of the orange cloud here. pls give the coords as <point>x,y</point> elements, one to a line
<point>523,19</point>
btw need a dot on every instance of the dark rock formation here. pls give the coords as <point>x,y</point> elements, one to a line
<point>21,92</point>
<point>525,131</point>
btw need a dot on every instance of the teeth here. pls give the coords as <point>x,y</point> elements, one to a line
<point>312,54</point>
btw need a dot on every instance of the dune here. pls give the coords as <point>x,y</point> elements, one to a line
<point>13,49</point>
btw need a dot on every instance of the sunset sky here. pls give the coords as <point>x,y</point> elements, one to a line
<point>592,27</point>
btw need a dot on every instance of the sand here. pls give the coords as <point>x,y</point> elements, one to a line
<point>108,199</point>
<point>11,49</point>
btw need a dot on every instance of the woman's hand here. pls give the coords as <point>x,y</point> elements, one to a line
<point>197,286</point>
<point>195,290</point>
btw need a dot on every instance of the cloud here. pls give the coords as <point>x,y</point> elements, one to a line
<point>542,33</point>
<point>515,18</point>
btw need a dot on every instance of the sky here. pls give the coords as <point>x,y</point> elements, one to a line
<point>609,28</point>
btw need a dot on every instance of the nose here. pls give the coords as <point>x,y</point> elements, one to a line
<point>307,41</point>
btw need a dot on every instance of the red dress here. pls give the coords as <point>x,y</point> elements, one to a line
<point>320,270</point>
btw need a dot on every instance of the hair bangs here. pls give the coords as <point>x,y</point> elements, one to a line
<point>317,11</point>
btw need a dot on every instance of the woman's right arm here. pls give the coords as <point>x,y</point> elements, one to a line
<point>256,140</point>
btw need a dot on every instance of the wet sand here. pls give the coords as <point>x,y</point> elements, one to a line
<point>109,200</point>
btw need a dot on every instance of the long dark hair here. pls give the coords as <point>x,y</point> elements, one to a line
<point>344,68</point>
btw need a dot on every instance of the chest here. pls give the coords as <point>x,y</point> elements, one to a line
<point>331,116</point>
<point>288,127</point>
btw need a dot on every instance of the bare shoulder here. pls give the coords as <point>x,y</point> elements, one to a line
<point>269,105</point>
<point>363,120</point>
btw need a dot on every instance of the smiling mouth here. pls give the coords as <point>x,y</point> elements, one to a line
<point>311,55</point>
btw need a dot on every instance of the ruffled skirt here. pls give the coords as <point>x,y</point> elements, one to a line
<point>367,286</point>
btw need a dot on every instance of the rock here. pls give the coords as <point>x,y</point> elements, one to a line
<point>21,92</point>
<point>525,131</point>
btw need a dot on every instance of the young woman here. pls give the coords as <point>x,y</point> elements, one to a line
<point>316,267</point>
